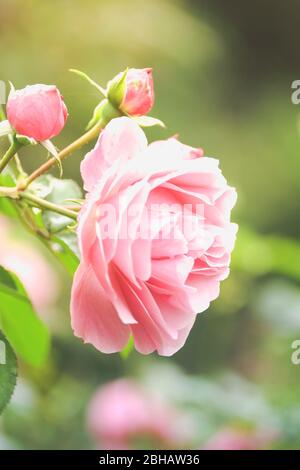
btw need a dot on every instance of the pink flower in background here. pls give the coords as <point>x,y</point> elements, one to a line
<point>173,205</point>
<point>240,439</point>
<point>37,111</point>
<point>138,98</point>
<point>30,266</point>
<point>121,413</point>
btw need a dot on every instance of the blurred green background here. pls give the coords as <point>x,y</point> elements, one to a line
<point>223,73</point>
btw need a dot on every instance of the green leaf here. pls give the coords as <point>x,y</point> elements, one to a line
<point>7,206</point>
<point>69,238</point>
<point>63,190</point>
<point>59,191</point>
<point>55,189</point>
<point>63,241</point>
<point>61,248</point>
<point>7,279</point>
<point>8,372</point>
<point>97,114</point>
<point>6,180</point>
<point>24,330</point>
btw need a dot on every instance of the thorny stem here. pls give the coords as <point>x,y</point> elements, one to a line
<point>19,192</point>
<point>50,206</point>
<point>36,201</point>
<point>84,139</point>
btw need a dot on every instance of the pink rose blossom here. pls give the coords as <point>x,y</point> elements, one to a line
<point>138,98</point>
<point>121,413</point>
<point>157,260</point>
<point>37,111</point>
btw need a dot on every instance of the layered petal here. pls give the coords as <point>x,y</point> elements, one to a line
<point>121,140</point>
<point>93,316</point>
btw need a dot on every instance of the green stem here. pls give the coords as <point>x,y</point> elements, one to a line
<point>19,168</point>
<point>50,206</point>
<point>14,147</point>
<point>84,139</point>
<point>28,221</point>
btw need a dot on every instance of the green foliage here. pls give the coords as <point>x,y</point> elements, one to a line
<point>58,191</point>
<point>24,330</point>
<point>218,90</point>
<point>261,254</point>
<point>97,114</point>
<point>63,238</point>
<point>8,371</point>
<point>63,251</point>
<point>7,205</point>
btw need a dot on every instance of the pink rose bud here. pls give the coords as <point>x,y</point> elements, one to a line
<point>241,439</point>
<point>37,111</point>
<point>120,412</point>
<point>132,91</point>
